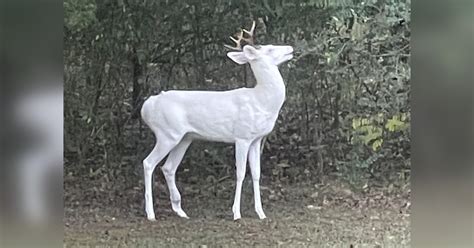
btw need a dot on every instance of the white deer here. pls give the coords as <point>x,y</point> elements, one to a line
<point>241,116</point>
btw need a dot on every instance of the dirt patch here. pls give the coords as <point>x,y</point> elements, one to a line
<point>298,215</point>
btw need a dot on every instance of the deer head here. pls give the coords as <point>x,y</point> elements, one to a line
<point>257,54</point>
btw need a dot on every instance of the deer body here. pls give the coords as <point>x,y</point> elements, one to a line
<point>245,113</point>
<point>241,116</point>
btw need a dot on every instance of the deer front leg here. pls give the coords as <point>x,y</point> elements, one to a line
<point>241,152</point>
<point>254,161</point>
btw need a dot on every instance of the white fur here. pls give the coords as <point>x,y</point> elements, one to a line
<point>39,112</point>
<point>241,116</point>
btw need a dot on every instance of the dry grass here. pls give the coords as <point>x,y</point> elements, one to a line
<point>298,216</point>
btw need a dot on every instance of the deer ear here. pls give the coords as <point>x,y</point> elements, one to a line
<point>250,52</point>
<point>238,57</point>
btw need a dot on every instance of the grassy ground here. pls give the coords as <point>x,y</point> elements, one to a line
<point>330,215</point>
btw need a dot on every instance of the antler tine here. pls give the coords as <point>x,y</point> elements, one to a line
<point>250,40</point>
<point>240,37</point>
<point>236,41</point>
<point>252,29</point>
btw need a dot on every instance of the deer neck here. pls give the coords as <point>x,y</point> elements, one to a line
<point>270,86</point>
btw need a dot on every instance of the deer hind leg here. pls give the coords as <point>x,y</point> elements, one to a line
<point>241,153</point>
<point>162,147</point>
<point>169,171</point>
<point>254,161</point>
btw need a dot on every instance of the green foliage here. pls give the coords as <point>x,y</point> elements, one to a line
<point>79,14</point>
<point>369,131</point>
<point>347,108</point>
<point>397,123</point>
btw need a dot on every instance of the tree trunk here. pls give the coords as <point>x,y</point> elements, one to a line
<point>136,74</point>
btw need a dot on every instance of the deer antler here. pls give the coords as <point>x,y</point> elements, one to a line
<point>237,41</point>
<point>250,33</point>
<point>240,37</point>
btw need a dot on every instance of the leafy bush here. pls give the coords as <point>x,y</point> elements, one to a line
<point>347,110</point>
